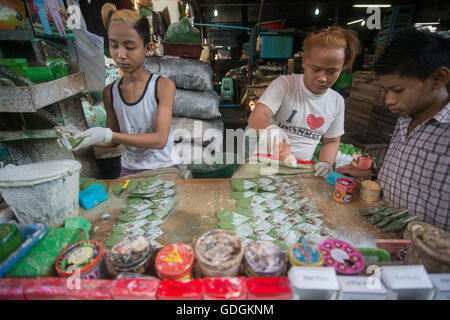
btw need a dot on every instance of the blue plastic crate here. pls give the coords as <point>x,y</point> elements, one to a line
<point>31,234</point>
<point>276,46</point>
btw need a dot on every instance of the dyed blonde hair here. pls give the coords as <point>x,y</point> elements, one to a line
<point>139,23</point>
<point>334,38</point>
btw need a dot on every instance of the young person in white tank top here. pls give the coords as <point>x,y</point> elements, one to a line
<point>139,105</point>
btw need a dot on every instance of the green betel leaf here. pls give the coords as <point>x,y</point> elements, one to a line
<point>245,212</point>
<point>244,203</point>
<point>126,218</point>
<point>225,215</point>
<point>117,188</point>
<point>75,142</point>
<point>281,245</point>
<point>225,225</point>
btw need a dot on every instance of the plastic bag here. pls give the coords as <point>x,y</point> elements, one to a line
<point>187,73</point>
<point>183,31</point>
<point>197,129</point>
<point>196,104</point>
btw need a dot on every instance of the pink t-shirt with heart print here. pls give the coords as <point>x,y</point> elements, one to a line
<point>304,116</point>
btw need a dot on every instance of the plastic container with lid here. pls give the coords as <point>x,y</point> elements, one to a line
<point>46,289</point>
<point>175,262</point>
<point>16,65</point>
<point>10,240</point>
<point>39,74</point>
<point>131,254</point>
<point>305,255</point>
<point>58,67</point>
<point>42,192</point>
<point>264,259</point>
<point>344,190</point>
<point>135,289</point>
<point>85,258</point>
<point>12,288</point>
<point>219,254</point>
<point>180,290</point>
<point>228,288</point>
<point>370,191</point>
<point>269,288</point>
<point>95,289</point>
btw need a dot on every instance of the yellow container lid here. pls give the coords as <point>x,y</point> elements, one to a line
<point>305,255</point>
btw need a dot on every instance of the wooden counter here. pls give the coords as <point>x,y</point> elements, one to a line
<point>200,199</point>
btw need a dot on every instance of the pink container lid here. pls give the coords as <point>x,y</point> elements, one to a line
<point>341,256</point>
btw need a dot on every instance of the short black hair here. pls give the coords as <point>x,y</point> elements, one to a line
<point>413,53</point>
<point>142,27</point>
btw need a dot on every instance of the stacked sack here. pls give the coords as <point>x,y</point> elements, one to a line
<point>196,107</point>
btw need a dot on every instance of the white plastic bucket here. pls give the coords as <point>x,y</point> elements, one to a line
<point>45,192</point>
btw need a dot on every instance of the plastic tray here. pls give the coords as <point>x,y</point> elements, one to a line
<point>31,234</point>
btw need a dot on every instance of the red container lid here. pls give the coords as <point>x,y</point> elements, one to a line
<point>46,288</point>
<point>174,261</point>
<point>135,288</point>
<point>12,288</point>
<point>273,286</point>
<point>92,290</point>
<point>97,252</point>
<point>230,288</point>
<point>178,290</point>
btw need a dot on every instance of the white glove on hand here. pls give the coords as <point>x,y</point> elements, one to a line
<point>271,137</point>
<point>93,136</point>
<point>322,169</point>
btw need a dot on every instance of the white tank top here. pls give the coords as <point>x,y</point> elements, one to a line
<point>140,118</point>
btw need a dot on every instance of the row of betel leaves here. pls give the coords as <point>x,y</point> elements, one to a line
<point>386,218</point>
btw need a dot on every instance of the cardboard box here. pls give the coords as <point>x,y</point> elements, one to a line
<point>408,282</point>
<point>362,288</point>
<point>314,283</point>
<point>441,282</point>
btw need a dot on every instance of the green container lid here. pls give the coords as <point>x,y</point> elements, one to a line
<point>10,240</point>
<point>17,65</point>
<point>58,67</point>
<point>39,74</point>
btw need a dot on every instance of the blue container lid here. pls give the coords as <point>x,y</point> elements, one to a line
<point>92,196</point>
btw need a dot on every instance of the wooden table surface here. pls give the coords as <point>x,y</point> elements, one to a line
<point>200,199</point>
